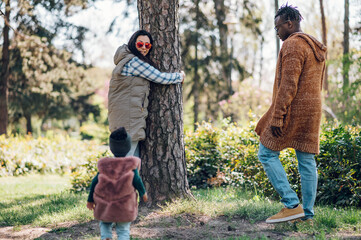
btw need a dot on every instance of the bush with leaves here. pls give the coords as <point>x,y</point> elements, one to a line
<point>83,174</point>
<point>233,151</point>
<point>339,166</point>
<point>202,154</point>
<point>96,132</point>
<point>25,154</point>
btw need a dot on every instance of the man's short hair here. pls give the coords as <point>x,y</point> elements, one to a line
<point>288,12</point>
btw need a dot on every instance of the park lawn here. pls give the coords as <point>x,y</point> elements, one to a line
<point>45,201</point>
<point>235,203</point>
<point>40,200</point>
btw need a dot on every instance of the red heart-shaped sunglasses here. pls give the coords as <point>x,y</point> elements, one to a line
<point>141,44</point>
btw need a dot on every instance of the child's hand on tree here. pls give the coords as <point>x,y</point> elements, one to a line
<point>90,205</point>
<point>145,197</point>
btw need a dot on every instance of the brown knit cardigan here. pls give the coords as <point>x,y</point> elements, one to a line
<point>296,101</point>
<point>114,196</point>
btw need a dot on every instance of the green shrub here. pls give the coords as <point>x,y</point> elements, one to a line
<point>25,154</point>
<point>83,174</point>
<point>232,151</point>
<point>97,132</point>
<point>339,166</point>
<point>202,155</point>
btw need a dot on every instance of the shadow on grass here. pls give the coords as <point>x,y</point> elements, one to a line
<point>27,210</point>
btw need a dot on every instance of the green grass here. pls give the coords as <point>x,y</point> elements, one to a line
<point>225,202</point>
<point>45,200</point>
<point>40,200</point>
<point>232,202</point>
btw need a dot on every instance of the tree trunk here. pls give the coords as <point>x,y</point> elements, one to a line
<point>346,60</point>
<point>163,157</point>
<point>261,61</point>
<point>220,10</point>
<point>5,73</point>
<point>29,128</point>
<point>277,39</point>
<point>196,75</point>
<point>324,40</point>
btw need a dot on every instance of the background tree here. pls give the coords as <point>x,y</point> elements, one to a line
<point>45,81</point>
<point>346,46</point>
<point>207,57</point>
<point>4,78</point>
<point>324,40</point>
<point>344,62</point>
<point>163,160</point>
<point>198,50</point>
<point>196,81</point>
<point>220,11</point>
<point>277,39</point>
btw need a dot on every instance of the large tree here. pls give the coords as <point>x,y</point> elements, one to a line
<point>163,157</point>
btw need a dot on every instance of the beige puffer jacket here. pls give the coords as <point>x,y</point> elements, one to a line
<point>127,98</point>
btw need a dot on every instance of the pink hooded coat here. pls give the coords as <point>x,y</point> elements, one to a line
<point>114,196</point>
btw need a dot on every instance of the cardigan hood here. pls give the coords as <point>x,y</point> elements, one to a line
<point>319,50</point>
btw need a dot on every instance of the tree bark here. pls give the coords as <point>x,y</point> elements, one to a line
<point>5,73</point>
<point>163,157</point>
<point>324,40</point>
<point>346,60</point>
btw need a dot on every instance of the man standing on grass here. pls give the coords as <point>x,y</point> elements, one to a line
<point>293,119</point>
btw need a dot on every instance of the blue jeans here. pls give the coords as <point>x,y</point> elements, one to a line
<point>122,229</point>
<point>134,149</point>
<point>277,176</point>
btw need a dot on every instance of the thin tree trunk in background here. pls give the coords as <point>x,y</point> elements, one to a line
<point>29,128</point>
<point>346,60</point>
<point>196,75</point>
<point>277,39</point>
<point>261,62</point>
<point>324,40</point>
<point>163,157</point>
<point>5,73</point>
<point>220,10</point>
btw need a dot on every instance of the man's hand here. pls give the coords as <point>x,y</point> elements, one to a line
<point>145,197</point>
<point>90,205</point>
<point>276,131</point>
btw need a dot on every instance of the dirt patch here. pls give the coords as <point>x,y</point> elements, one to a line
<point>156,225</point>
<point>23,232</point>
<point>189,226</point>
